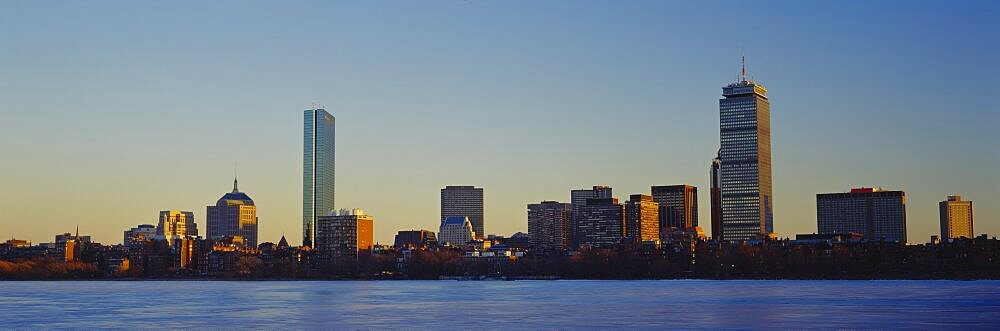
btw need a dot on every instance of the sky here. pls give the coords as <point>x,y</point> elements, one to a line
<point>113,111</point>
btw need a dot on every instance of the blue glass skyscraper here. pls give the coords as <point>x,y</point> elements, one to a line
<point>317,170</point>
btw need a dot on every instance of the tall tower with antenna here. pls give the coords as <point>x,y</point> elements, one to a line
<point>744,161</point>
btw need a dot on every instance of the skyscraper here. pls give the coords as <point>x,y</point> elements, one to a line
<point>716,196</point>
<point>956,218</point>
<point>874,213</point>
<point>745,170</point>
<point>678,206</point>
<point>601,223</point>
<point>176,224</point>
<point>464,201</point>
<point>234,214</point>
<point>642,218</point>
<point>549,225</point>
<point>317,170</point>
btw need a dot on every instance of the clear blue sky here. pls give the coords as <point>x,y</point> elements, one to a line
<point>112,111</point>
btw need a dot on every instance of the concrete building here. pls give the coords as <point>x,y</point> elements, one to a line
<point>415,239</point>
<point>176,224</point>
<point>716,197</point>
<point>600,223</point>
<point>134,237</point>
<point>318,151</point>
<point>234,214</point>
<point>456,230</point>
<point>874,213</point>
<point>956,218</point>
<point>550,225</point>
<point>745,168</point>
<point>642,218</point>
<point>464,201</point>
<point>340,238</point>
<point>578,200</point>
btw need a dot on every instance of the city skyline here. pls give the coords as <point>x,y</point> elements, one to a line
<point>70,121</point>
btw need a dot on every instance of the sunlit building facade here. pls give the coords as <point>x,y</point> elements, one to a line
<point>317,170</point>
<point>342,237</point>
<point>176,224</point>
<point>642,218</point>
<point>745,161</point>
<point>134,237</point>
<point>456,230</point>
<point>875,213</point>
<point>464,201</point>
<point>956,218</point>
<point>234,214</point>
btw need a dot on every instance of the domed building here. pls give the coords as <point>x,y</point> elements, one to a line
<point>233,215</point>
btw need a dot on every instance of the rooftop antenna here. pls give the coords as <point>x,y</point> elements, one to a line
<point>235,187</point>
<point>743,65</point>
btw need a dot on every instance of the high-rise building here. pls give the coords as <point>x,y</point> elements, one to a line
<point>874,213</point>
<point>956,218</point>
<point>415,238</point>
<point>578,199</point>
<point>317,170</point>
<point>341,237</point>
<point>716,196</point>
<point>678,206</point>
<point>234,214</point>
<point>464,201</point>
<point>456,230</point>
<point>745,170</point>
<point>600,223</point>
<point>176,224</point>
<point>642,218</point>
<point>549,225</point>
<point>134,237</point>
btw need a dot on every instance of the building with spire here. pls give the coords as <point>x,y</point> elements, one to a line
<point>233,215</point>
<point>745,161</point>
<point>317,170</point>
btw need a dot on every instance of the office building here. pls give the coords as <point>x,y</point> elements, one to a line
<point>134,237</point>
<point>578,200</point>
<point>456,230</point>
<point>678,206</point>
<point>464,201</point>
<point>600,223</point>
<point>317,170</point>
<point>550,225</point>
<point>745,169</point>
<point>956,218</point>
<point>234,214</point>
<point>342,237</point>
<point>415,239</point>
<point>716,198</point>
<point>642,218</point>
<point>176,224</point>
<point>875,213</point>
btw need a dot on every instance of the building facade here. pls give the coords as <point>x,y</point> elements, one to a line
<point>176,224</point>
<point>550,225</point>
<point>456,230</point>
<point>745,168</point>
<point>678,205</point>
<point>234,214</point>
<point>874,213</point>
<point>342,237</point>
<point>642,218</point>
<point>600,223</point>
<point>464,201</point>
<point>415,239</point>
<point>956,218</point>
<point>134,237</point>
<point>578,200</point>
<point>318,150</point>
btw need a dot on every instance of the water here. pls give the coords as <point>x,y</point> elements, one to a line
<point>502,305</point>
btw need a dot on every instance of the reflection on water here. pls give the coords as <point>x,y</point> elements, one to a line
<point>499,304</point>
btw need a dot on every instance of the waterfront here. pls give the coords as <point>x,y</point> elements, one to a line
<point>501,304</point>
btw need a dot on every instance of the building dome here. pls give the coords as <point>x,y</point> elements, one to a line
<point>235,197</point>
